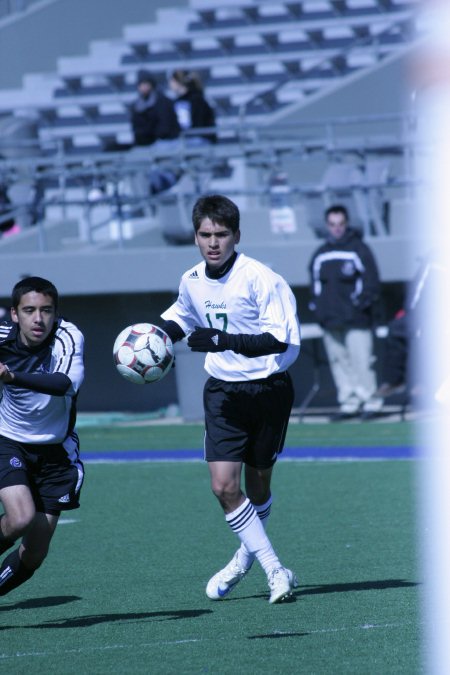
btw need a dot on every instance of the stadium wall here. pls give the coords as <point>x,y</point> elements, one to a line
<point>159,269</point>
<point>33,41</point>
<point>102,316</point>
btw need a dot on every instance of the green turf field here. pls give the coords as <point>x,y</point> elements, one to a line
<point>122,590</point>
<point>121,436</point>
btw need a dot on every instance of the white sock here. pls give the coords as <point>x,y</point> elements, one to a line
<point>245,523</point>
<point>243,557</point>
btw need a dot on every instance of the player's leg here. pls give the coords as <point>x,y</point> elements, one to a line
<point>19,512</point>
<point>257,489</point>
<point>226,440</point>
<point>54,487</point>
<point>227,578</point>
<point>271,413</point>
<point>15,493</point>
<point>246,524</point>
<point>21,564</point>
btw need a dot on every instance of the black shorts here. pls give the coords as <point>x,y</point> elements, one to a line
<point>247,421</point>
<point>53,478</point>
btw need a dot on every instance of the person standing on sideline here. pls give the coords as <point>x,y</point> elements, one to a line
<point>243,316</point>
<point>345,289</point>
<point>41,370</point>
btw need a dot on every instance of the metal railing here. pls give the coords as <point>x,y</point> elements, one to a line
<point>111,186</point>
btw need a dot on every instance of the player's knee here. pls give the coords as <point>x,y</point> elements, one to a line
<point>33,558</point>
<point>19,522</point>
<point>228,494</point>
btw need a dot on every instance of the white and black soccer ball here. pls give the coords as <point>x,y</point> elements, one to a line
<point>143,353</point>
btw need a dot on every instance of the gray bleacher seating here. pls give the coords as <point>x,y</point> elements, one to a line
<point>255,59</point>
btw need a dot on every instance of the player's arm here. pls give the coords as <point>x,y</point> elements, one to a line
<point>371,281</point>
<point>173,330</point>
<point>214,340</point>
<point>54,384</point>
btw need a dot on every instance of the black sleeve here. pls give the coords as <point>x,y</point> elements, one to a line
<point>371,280</point>
<point>173,330</point>
<point>55,384</point>
<point>167,126</point>
<point>255,345</point>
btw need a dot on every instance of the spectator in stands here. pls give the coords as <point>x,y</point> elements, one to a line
<point>153,114</point>
<point>155,124</point>
<point>192,108</point>
<point>345,290</point>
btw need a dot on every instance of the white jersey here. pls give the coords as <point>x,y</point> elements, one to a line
<point>29,416</point>
<point>249,299</point>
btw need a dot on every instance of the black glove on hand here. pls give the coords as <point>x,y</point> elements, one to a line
<point>208,340</point>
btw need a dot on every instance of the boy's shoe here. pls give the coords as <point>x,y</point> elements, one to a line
<point>281,582</point>
<point>224,581</point>
<point>387,389</point>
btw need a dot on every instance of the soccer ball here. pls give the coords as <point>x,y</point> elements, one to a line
<point>143,353</point>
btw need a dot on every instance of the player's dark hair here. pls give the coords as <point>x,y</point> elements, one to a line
<point>36,284</point>
<point>218,209</point>
<point>337,208</point>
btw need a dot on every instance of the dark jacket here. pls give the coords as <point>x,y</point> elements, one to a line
<point>345,285</point>
<point>194,111</point>
<point>153,119</point>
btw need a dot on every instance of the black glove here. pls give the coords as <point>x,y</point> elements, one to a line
<point>208,340</point>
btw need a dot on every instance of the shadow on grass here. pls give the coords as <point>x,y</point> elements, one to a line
<point>380,585</point>
<point>94,619</point>
<point>315,589</point>
<point>35,603</point>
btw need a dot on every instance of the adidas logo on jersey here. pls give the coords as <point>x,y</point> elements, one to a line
<point>194,275</point>
<point>65,499</point>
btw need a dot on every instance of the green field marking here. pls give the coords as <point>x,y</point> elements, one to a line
<point>122,590</point>
<point>123,437</point>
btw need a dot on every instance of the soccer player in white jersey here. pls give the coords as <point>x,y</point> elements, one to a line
<point>243,316</point>
<point>41,370</point>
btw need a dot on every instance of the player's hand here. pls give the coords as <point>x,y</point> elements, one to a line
<point>5,374</point>
<point>208,340</point>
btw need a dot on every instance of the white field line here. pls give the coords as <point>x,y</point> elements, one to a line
<point>143,645</point>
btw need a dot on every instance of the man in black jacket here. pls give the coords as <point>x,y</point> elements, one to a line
<point>155,123</point>
<point>345,288</point>
<point>153,114</point>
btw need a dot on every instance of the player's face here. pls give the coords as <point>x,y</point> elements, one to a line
<point>216,243</point>
<point>336,224</point>
<point>35,316</point>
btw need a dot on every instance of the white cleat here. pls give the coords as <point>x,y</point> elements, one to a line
<point>281,582</point>
<point>222,583</point>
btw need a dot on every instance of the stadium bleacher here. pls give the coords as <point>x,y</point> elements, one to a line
<point>247,53</point>
<point>262,63</point>
<point>265,66</point>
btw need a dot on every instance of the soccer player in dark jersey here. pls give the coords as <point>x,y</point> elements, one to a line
<point>243,316</point>
<point>41,370</point>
